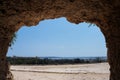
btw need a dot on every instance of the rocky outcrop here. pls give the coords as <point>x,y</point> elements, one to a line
<point>104,13</point>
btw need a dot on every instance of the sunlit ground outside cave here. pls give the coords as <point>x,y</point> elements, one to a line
<point>56,49</point>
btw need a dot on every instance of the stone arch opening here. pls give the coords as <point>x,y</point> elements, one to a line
<point>61,35</point>
<point>105,14</point>
<point>78,27</point>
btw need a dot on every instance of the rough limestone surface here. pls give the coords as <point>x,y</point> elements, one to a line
<point>103,13</point>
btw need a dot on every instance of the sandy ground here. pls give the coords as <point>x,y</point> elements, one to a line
<point>98,71</point>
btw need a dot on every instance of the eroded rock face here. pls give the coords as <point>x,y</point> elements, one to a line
<point>103,13</point>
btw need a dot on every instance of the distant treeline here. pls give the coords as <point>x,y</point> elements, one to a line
<point>46,61</point>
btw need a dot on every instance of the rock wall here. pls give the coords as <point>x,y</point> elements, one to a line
<point>104,13</point>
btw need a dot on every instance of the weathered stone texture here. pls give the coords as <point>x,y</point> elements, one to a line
<point>103,13</point>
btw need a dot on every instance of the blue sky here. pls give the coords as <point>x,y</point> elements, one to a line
<point>58,37</point>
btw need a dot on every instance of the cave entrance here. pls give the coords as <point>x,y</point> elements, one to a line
<point>59,38</point>
<point>53,37</point>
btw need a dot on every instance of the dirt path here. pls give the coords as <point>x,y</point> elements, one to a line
<point>62,72</point>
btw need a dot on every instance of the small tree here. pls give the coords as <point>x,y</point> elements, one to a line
<point>14,37</point>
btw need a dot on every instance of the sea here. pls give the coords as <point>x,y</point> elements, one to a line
<point>84,58</point>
